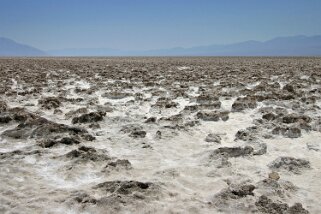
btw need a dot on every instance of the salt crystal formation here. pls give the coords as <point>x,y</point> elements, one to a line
<point>160,135</point>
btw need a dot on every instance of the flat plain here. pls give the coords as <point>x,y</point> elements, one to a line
<point>160,135</point>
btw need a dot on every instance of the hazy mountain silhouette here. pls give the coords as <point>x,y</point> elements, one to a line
<point>281,46</point>
<point>9,47</point>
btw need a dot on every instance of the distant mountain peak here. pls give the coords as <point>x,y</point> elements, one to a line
<point>9,47</point>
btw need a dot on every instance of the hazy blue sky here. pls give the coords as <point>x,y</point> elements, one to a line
<point>151,24</point>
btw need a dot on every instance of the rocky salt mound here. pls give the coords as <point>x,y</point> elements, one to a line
<point>160,135</point>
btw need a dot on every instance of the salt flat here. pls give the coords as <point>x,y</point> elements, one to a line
<point>160,135</point>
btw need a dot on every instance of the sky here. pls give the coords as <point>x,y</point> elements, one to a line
<point>154,24</point>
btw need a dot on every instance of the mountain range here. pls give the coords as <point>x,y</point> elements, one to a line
<point>280,46</point>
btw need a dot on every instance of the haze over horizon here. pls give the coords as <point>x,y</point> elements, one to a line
<point>146,25</point>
